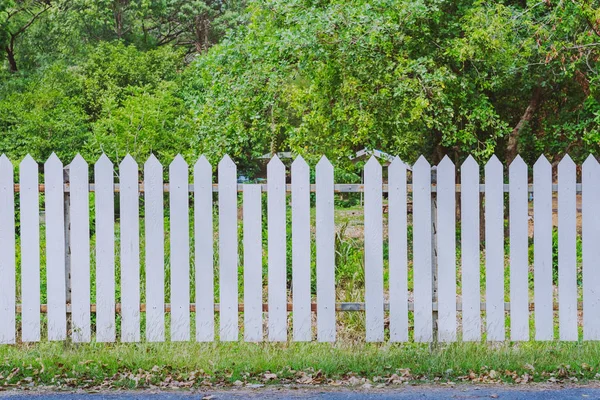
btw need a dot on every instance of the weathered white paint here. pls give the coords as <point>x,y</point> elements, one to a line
<point>398,254</point>
<point>228,250</point>
<point>422,250</point>
<point>301,251</point>
<point>470,256</point>
<point>104,179</point>
<point>590,226</point>
<point>180,250</point>
<point>519,251</point>
<point>80,250</point>
<point>55,249</point>
<point>446,243</point>
<point>567,252</point>
<point>7,251</point>
<point>276,221</point>
<point>253,324</point>
<point>130,250</point>
<point>373,251</point>
<point>203,232</point>
<point>325,237</point>
<point>542,249</point>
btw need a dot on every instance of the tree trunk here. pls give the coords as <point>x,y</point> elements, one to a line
<point>12,63</point>
<point>513,137</point>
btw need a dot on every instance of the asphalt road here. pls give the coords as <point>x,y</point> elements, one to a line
<point>421,393</point>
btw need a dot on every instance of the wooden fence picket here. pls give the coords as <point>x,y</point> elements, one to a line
<point>422,251</point>
<point>130,250</point>
<point>276,221</point>
<point>105,250</point>
<point>253,283</point>
<point>470,256</point>
<point>228,250</point>
<point>155,249</point>
<point>30,250</point>
<point>373,251</point>
<point>542,249</point>
<point>519,245</point>
<point>301,251</point>
<point>590,227</point>
<point>180,250</point>
<point>398,252</point>
<point>494,250</point>
<point>203,252</point>
<point>446,242</point>
<point>325,237</point>
<point>567,256</point>
<point>7,253</point>
<point>80,250</point>
<point>55,249</point>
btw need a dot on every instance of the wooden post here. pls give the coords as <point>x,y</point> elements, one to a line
<point>67,217</point>
<point>434,263</point>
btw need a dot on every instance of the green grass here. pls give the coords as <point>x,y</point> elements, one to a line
<point>196,364</point>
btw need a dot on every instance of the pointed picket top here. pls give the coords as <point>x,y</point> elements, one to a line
<point>373,163</point>
<point>542,162</point>
<point>53,161</point>
<point>202,164</point>
<point>128,163</point>
<point>324,164</point>
<point>104,160</point>
<point>470,163</point>
<point>445,163</point>
<point>421,163</point>
<point>518,163</point>
<point>275,163</point>
<point>567,163</point>
<point>397,162</point>
<point>78,161</point>
<point>178,163</point>
<point>28,160</point>
<point>590,162</point>
<point>152,161</point>
<point>299,164</point>
<point>4,161</point>
<point>493,164</point>
<point>226,161</point>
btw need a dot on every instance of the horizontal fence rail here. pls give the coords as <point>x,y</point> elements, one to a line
<point>194,260</point>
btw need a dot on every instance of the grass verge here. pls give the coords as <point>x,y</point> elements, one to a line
<point>106,366</point>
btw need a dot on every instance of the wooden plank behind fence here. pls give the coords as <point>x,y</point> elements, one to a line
<point>325,237</point>
<point>422,250</point>
<point>7,250</point>
<point>276,221</point>
<point>567,256</point>
<point>373,251</point>
<point>203,233</point>
<point>590,225</point>
<point>301,290</point>
<point>470,256</point>
<point>494,250</point>
<point>30,250</point>
<point>130,251</point>
<point>228,250</point>
<point>105,250</point>
<point>542,248</point>
<point>55,249</point>
<point>519,250</point>
<point>80,250</point>
<point>446,242</point>
<point>180,250</point>
<point>253,282</point>
<point>398,255</point>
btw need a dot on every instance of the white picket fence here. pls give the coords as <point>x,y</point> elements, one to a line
<point>439,314</point>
